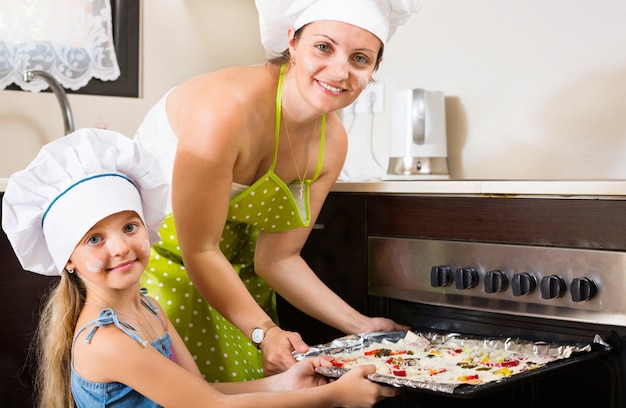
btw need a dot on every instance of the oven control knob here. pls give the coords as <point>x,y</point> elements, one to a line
<point>552,287</point>
<point>466,278</point>
<point>582,289</point>
<point>440,276</point>
<point>495,281</point>
<point>523,284</point>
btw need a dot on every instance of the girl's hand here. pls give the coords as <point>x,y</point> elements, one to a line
<point>300,375</point>
<point>277,349</point>
<point>355,390</point>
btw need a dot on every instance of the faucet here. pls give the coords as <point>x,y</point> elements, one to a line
<point>57,89</point>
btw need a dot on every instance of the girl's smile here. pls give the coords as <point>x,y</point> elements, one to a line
<point>123,267</point>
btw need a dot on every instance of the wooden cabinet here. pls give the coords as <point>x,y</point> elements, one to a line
<point>546,221</point>
<point>336,251</point>
<point>21,294</point>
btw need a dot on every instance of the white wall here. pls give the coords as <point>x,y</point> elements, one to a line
<point>180,39</point>
<point>536,89</point>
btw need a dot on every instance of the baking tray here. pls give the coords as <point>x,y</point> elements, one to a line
<point>568,355</point>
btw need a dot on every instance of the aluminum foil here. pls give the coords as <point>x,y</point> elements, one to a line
<point>358,342</point>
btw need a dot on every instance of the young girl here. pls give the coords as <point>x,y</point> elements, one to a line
<point>88,208</point>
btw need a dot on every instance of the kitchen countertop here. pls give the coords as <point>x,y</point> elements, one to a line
<point>519,188</point>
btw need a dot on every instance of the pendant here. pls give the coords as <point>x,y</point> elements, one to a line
<point>301,190</point>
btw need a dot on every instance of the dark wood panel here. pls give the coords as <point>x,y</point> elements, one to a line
<point>580,223</point>
<point>336,251</point>
<point>20,297</point>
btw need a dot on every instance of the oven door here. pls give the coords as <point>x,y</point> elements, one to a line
<point>591,380</point>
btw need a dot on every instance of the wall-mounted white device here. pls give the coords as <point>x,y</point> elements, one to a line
<point>418,139</point>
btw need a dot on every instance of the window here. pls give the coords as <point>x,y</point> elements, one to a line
<point>126,21</point>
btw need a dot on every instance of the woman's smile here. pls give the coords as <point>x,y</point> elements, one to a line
<point>330,88</point>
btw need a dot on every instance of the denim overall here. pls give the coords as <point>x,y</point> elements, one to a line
<point>89,394</point>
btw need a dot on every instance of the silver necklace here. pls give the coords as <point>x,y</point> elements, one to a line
<point>301,178</point>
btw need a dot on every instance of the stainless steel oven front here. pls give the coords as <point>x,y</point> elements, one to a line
<point>531,292</point>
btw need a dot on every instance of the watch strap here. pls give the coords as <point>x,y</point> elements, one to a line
<point>265,327</point>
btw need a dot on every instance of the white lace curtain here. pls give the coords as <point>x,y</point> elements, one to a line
<point>69,39</point>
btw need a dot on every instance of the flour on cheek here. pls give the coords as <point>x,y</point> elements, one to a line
<point>362,81</point>
<point>310,66</point>
<point>95,265</point>
<point>145,248</point>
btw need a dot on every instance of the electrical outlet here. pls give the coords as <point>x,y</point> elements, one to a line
<point>371,99</point>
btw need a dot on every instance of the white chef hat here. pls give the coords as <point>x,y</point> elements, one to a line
<point>380,17</point>
<point>73,183</point>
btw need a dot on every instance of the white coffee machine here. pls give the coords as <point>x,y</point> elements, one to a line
<point>418,148</point>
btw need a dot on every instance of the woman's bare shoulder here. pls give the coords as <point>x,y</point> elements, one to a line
<point>216,96</point>
<point>228,85</point>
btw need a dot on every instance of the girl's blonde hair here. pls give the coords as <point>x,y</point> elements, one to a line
<point>52,343</point>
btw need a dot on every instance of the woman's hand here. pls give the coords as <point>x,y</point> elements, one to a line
<point>376,324</point>
<point>277,348</point>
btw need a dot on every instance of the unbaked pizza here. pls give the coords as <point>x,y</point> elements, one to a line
<point>417,358</point>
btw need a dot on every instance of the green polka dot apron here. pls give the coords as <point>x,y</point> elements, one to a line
<point>223,352</point>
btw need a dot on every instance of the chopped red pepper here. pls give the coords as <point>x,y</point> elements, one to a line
<point>337,363</point>
<point>435,372</point>
<point>508,363</point>
<point>383,352</point>
<point>468,377</point>
<point>399,373</point>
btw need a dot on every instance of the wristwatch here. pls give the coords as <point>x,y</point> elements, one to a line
<point>258,333</point>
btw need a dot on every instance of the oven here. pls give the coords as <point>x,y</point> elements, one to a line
<point>545,268</point>
<point>539,294</point>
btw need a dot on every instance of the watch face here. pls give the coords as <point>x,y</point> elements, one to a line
<point>257,335</point>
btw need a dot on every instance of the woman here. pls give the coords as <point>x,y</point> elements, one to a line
<point>87,209</point>
<point>253,153</point>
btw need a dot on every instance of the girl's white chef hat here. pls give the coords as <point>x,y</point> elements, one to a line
<point>380,17</point>
<point>73,183</point>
